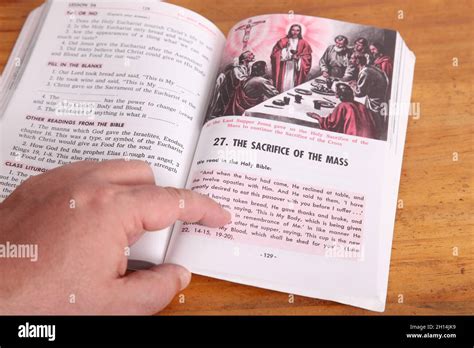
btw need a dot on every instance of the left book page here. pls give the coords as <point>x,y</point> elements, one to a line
<point>108,80</point>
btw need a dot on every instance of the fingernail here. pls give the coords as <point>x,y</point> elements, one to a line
<point>228,213</point>
<point>184,278</point>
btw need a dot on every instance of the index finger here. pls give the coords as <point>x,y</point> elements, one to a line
<point>118,171</point>
<point>154,208</point>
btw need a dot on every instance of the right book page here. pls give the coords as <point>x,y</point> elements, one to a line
<point>302,145</point>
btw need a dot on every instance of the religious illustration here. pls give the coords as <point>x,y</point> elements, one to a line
<point>309,71</point>
<point>247,28</point>
<point>291,60</point>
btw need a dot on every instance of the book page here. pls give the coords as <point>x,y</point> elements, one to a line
<point>297,145</point>
<point>108,80</point>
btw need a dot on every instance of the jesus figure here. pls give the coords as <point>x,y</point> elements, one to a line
<point>291,60</point>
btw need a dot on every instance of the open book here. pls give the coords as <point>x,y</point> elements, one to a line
<point>296,124</point>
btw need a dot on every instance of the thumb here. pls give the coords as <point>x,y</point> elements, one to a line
<point>149,291</point>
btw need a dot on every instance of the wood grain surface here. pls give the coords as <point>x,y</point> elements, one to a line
<point>432,262</point>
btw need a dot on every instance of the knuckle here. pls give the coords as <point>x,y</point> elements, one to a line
<point>95,195</point>
<point>145,167</point>
<point>141,164</point>
<point>101,194</point>
<point>75,190</point>
<point>132,162</point>
<point>174,193</point>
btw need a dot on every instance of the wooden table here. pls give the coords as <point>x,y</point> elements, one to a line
<point>426,275</point>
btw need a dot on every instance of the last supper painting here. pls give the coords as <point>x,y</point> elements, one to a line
<point>310,71</point>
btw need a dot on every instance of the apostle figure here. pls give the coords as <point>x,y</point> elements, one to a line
<point>361,47</point>
<point>227,82</point>
<point>372,83</point>
<point>335,60</point>
<point>252,91</point>
<point>349,116</point>
<point>291,60</point>
<point>242,69</point>
<point>381,60</point>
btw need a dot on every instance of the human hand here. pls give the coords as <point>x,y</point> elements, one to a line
<point>82,217</point>
<point>352,84</point>
<point>314,115</point>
